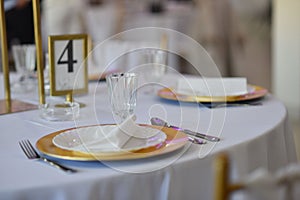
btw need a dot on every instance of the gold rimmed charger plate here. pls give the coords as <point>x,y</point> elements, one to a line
<point>175,140</point>
<point>255,92</point>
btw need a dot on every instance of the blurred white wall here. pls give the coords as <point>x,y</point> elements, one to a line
<point>286,54</point>
<point>286,59</point>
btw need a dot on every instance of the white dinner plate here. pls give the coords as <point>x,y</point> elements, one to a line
<point>81,139</point>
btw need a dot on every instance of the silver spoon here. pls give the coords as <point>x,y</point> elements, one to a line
<point>159,122</point>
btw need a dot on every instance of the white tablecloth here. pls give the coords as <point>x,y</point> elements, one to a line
<point>254,136</point>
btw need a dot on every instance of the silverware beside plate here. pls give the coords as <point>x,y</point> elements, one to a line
<point>159,122</point>
<point>196,140</point>
<point>31,153</point>
<point>230,105</point>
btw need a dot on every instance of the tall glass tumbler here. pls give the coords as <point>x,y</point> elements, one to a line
<point>122,90</point>
<point>155,67</point>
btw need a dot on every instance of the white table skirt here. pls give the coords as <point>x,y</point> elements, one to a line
<point>254,136</point>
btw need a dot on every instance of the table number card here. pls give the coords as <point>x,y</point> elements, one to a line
<point>68,68</point>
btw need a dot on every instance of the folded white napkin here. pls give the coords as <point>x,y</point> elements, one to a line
<point>212,86</point>
<point>111,138</point>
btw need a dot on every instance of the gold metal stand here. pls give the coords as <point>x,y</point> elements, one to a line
<point>5,68</point>
<point>8,105</point>
<point>39,49</point>
<point>164,42</point>
<point>69,97</point>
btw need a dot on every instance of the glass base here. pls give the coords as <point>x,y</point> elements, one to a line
<point>55,110</point>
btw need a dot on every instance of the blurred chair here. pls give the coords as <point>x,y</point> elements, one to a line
<point>223,186</point>
<point>283,184</point>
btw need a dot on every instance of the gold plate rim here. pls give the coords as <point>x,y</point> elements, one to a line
<point>170,94</point>
<point>175,140</point>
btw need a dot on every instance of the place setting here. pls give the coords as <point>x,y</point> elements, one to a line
<point>125,140</point>
<point>213,92</point>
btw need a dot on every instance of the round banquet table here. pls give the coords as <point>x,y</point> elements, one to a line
<point>253,136</point>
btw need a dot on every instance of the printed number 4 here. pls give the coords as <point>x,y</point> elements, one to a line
<point>70,62</point>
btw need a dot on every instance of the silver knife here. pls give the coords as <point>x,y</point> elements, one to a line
<point>160,122</point>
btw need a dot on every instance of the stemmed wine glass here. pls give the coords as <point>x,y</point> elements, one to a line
<point>24,58</point>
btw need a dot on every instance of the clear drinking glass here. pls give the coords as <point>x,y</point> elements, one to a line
<point>154,68</point>
<point>24,58</point>
<point>122,90</point>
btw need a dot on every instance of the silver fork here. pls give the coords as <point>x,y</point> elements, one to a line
<point>31,153</point>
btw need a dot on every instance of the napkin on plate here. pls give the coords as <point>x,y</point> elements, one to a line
<point>212,86</point>
<point>110,138</point>
<point>128,129</point>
